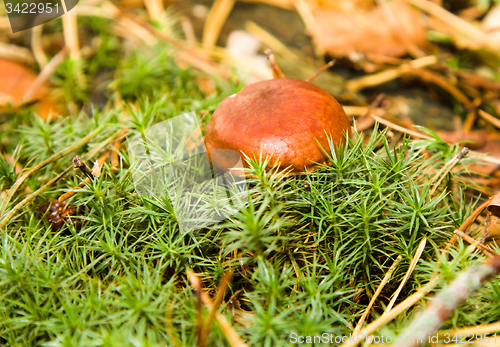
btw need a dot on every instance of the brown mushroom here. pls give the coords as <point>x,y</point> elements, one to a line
<point>285,118</point>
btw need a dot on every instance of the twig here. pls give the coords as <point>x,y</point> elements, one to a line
<point>96,171</point>
<point>413,263</point>
<point>321,70</point>
<point>277,73</point>
<point>485,249</point>
<point>438,178</point>
<point>377,293</point>
<point>444,303</point>
<point>43,163</point>
<point>79,164</point>
<point>69,194</point>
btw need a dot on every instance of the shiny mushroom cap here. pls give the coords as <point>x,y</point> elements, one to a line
<point>286,118</point>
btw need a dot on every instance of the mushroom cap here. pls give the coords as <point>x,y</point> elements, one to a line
<point>285,118</point>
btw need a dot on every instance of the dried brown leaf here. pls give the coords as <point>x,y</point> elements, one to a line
<point>16,79</point>
<point>343,33</point>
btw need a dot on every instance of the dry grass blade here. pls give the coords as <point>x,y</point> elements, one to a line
<point>195,57</point>
<point>465,225</point>
<point>16,53</point>
<point>396,311</point>
<point>270,41</point>
<point>56,156</point>
<point>231,335</point>
<point>115,159</point>
<point>413,263</point>
<point>37,47</point>
<point>70,30</point>
<point>196,282</point>
<point>355,110</point>
<point>377,293</point>
<point>155,9</point>
<point>221,290</point>
<point>480,329</point>
<point>438,178</point>
<point>378,78</point>
<point>450,19</point>
<point>488,159</point>
<point>489,118</point>
<point>169,327</point>
<point>400,128</point>
<point>486,250</point>
<point>305,12</point>
<point>187,28</point>
<point>45,162</point>
<point>69,194</point>
<point>216,18</point>
<point>321,70</point>
<point>277,73</point>
<point>443,304</point>
<point>434,78</point>
<point>45,73</point>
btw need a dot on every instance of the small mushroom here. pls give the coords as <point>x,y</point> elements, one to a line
<point>287,119</point>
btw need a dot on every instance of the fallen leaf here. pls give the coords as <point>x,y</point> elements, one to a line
<point>388,30</point>
<point>16,79</point>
